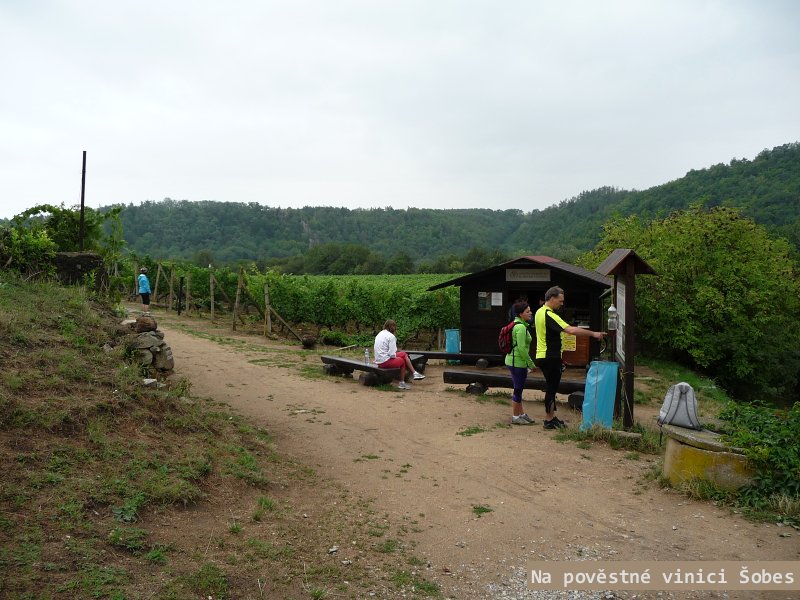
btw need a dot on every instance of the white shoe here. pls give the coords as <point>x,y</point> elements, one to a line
<point>418,375</point>
<point>403,386</point>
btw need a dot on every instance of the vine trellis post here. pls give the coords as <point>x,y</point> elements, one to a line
<point>211,288</point>
<point>239,286</point>
<point>267,311</point>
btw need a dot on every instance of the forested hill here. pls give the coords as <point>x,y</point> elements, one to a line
<point>766,188</point>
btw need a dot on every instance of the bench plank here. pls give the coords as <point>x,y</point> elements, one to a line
<point>488,380</point>
<point>464,357</point>
<point>346,366</point>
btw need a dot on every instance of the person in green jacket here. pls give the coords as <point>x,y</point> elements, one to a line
<point>519,360</point>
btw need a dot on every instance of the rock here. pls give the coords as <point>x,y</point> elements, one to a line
<point>145,323</point>
<point>308,341</point>
<point>145,357</point>
<point>149,382</point>
<point>108,348</point>
<point>147,340</point>
<point>163,360</point>
<point>476,388</point>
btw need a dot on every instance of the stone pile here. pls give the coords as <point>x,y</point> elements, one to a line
<point>149,344</point>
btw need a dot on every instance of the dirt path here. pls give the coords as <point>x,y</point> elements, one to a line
<point>548,500</point>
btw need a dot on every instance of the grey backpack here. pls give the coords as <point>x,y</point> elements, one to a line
<point>680,407</point>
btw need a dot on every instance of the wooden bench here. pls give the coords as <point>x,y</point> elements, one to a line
<point>371,374</point>
<point>478,383</point>
<point>480,360</point>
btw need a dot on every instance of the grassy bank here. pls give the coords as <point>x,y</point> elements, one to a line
<point>114,490</point>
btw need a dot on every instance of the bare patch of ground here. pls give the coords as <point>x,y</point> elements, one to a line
<point>468,494</point>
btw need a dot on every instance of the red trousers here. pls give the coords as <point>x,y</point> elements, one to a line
<point>399,361</point>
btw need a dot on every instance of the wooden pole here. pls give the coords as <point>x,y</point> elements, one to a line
<point>180,294</point>
<point>267,315</point>
<point>171,288</point>
<point>188,292</point>
<point>158,277</point>
<point>630,363</point>
<point>211,287</point>
<point>238,295</point>
<point>277,316</point>
<point>135,280</point>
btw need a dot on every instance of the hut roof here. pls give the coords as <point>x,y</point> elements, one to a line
<point>531,261</point>
<point>613,264</point>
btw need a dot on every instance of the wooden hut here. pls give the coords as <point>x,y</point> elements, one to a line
<point>487,296</point>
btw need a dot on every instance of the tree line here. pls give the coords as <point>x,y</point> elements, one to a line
<point>321,239</point>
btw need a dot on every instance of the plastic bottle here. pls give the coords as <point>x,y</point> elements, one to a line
<point>366,356</point>
<point>612,319</point>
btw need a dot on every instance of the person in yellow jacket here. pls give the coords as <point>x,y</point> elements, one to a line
<point>549,327</point>
<point>519,361</point>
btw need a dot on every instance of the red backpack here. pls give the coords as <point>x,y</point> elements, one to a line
<point>506,339</point>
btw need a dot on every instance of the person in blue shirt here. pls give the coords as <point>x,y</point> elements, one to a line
<point>144,290</point>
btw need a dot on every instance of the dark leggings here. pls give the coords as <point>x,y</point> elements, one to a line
<point>518,377</point>
<point>551,369</point>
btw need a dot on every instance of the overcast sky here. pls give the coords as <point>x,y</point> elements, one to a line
<point>370,103</point>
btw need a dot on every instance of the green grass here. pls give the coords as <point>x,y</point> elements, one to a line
<point>106,462</point>
<point>131,539</point>
<point>416,585</point>
<point>647,443</point>
<point>481,509</point>
<point>389,545</point>
<point>710,398</point>
<point>475,429</point>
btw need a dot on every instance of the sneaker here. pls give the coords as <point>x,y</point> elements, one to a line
<point>518,420</point>
<point>527,418</point>
<point>403,386</point>
<point>559,421</point>
<point>418,375</point>
<point>554,423</point>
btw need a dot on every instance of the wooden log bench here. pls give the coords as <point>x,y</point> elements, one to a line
<point>482,361</point>
<point>371,374</point>
<point>478,383</point>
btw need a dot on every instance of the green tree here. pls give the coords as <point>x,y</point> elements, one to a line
<point>725,300</point>
<point>111,245</point>
<point>63,225</point>
<point>203,258</point>
<point>399,264</point>
<point>27,251</point>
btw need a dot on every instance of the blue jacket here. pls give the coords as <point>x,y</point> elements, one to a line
<point>144,284</point>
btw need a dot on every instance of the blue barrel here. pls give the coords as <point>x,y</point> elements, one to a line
<point>452,340</point>
<point>452,343</point>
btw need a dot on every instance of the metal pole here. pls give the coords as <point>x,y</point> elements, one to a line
<point>83,192</point>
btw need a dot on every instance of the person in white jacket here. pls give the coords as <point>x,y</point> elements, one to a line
<point>388,357</point>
